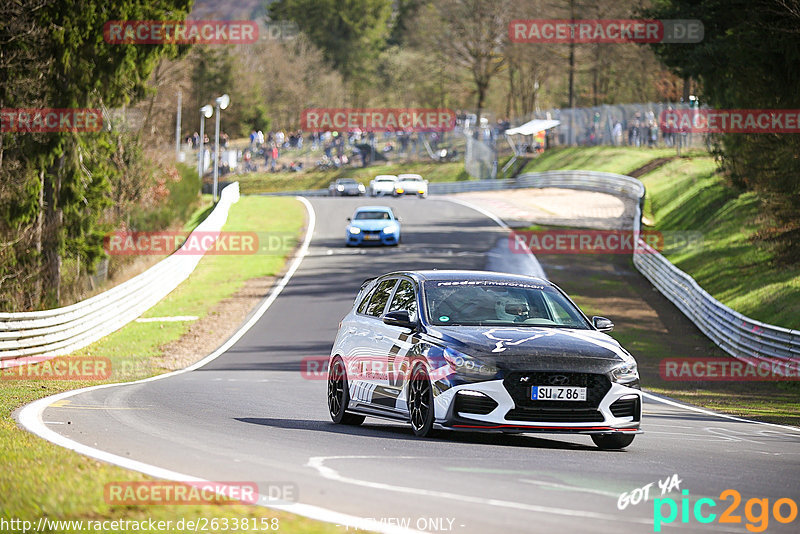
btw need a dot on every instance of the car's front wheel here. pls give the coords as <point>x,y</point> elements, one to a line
<point>339,395</point>
<point>612,441</point>
<point>420,402</point>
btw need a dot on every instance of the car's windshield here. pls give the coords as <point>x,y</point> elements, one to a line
<point>347,182</point>
<point>373,216</point>
<point>490,303</point>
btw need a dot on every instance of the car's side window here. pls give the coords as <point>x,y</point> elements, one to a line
<point>362,307</point>
<point>380,296</point>
<point>405,298</point>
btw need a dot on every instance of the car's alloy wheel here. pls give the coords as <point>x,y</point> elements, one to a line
<point>420,402</point>
<point>339,396</point>
<point>612,441</point>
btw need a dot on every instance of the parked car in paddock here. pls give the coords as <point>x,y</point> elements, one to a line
<point>383,184</point>
<point>481,351</point>
<point>373,225</point>
<point>346,187</point>
<point>411,184</point>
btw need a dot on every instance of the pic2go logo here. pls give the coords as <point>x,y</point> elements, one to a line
<point>758,520</point>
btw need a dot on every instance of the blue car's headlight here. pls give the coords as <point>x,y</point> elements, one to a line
<point>354,230</point>
<point>467,365</point>
<point>390,229</point>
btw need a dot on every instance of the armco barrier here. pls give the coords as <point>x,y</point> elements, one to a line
<point>59,331</point>
<point>739,336</point>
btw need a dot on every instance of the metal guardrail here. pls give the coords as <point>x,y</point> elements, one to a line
<point>59,331</point>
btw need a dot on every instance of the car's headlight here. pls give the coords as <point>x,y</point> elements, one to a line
<point>340,187</point>
<point>361,187</point>
<point>390,229</point>
<point>354,230</point>
<point>627,372</point>
<point>467,365</point>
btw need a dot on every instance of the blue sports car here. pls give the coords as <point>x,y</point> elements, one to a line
<point>373,225</point>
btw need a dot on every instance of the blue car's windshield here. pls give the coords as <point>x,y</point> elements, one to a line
<point>372,216</point>
<point>490,303</point>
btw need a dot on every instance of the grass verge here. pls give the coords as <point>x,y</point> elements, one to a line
<point>689,195</point>
<point>39,479</point>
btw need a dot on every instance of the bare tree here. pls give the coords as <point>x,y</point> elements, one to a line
<point>472,33</point>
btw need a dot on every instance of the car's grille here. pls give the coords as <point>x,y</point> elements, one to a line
<point>626,408</point>
<point>518,385</point>
<point>554,415</point>
<point>372,232</point>
<point>477,404</point>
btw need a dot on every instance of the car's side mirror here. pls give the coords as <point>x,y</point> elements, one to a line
<point>399,318</point>
<point>602,324</point>
<point>397,219</point>
<point>349,219</point>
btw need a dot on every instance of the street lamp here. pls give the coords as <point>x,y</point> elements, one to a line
<point>222,103</point>
<point>205,113</point>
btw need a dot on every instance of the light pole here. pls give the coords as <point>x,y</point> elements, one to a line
<point>222,103</point>
<point>205,113</point>
<point>178,130</point>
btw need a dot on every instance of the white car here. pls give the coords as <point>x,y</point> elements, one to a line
<point>411,184</point>
<point>383,184</point>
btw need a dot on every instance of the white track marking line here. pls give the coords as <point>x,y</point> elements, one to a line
<point>318,463</point>
<point>691,408</point>
<point>30,417</point>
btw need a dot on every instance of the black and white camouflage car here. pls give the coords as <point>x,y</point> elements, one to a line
<point>481,351</point>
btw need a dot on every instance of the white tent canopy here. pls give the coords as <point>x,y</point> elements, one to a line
<point>533,127</point>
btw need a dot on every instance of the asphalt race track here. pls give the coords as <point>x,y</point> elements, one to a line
<point>249,415</point>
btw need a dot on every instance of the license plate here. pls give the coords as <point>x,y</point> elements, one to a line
<point>371,237</point>
<point>558,393</point>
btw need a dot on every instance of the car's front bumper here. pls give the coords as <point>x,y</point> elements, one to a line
<point>453,413</point>
<point>378,239</point>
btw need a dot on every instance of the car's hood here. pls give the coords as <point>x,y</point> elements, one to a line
<point>348,186</point>
<point>534,348</point>
<point>373,224</point>
<point>412,184</point>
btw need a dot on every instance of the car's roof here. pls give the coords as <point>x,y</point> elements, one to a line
<point>374,208</point>
<point>491,276</point>
<point>409,177</point>
<point>386,177</point>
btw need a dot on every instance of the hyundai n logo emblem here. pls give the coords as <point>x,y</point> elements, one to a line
<point>524,379</point>
<point>558,380</point>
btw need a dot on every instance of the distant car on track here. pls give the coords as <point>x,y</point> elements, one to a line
<point>346,187</point>
<point>373,225</point>
<point>383,184</point>
<point>481,351</point>
<point>411,184</point>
